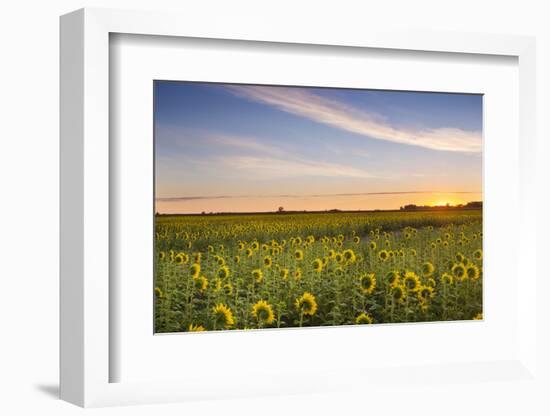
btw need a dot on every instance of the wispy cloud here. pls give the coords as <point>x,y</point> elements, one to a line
<point>346,117</point>
<point>193,198</point>
<point>249,144</point>
<point>276,167</point>
<point>184,137</point>
<point>260,158</point>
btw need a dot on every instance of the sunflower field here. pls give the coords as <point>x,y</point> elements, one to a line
<point>226,272</point>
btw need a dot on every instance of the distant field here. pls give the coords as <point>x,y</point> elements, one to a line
<point>253,271</point>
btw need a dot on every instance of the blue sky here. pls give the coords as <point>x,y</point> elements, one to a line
<point>230,147</point>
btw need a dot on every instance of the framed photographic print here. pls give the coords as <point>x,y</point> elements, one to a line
<point>265,204</point>
<point>281,207</point>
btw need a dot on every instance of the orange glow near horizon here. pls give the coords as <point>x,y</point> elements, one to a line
<point>444,202</point>
<point>296,203</point>
<point>454,200</point>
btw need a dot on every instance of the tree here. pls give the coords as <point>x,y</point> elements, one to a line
<point>281,209</point>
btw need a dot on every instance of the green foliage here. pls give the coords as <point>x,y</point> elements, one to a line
<point>338,251</point>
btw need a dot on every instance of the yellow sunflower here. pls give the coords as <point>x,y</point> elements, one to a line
<point>196,328</point>
<point>447,278</point>
<point>427,269</point>
<point>223,272</point>
<point>283,273</point>
<point>478,255</point>
<point>267,261</point>
<point>317,265</point>
<point>399,293</point>
<point>364,318</point>
<point>195,269</point>
<point>459,271</point>
<point>349,255</point>
<point>258,275</point>
<point>425,293</point>
<point>367,283</point>
<point>263,312</point>
<point>306,304</point>
<point>383,255</point>
<point>223,317</point>
<point>201,283</point>
<point>393,278</point>
<point>299,255</point>
<point>181,258</point>
<point>411,281</point>
<point>472,271</point>
<point>228,289</point>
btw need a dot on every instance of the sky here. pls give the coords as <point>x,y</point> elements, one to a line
<point>251,148</point>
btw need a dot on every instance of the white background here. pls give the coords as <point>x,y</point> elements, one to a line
<point>29,209</point>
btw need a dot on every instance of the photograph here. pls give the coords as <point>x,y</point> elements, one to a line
<point>297,206</point>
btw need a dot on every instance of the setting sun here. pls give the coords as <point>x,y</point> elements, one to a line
<point>442,203</point>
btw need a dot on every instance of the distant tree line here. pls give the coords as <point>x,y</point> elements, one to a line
<point>469,205</point>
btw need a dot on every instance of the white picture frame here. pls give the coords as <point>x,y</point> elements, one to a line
<point>86,356</point>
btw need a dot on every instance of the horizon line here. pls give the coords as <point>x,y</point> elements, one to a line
<point>331,210</point>
<point>204,197</point>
